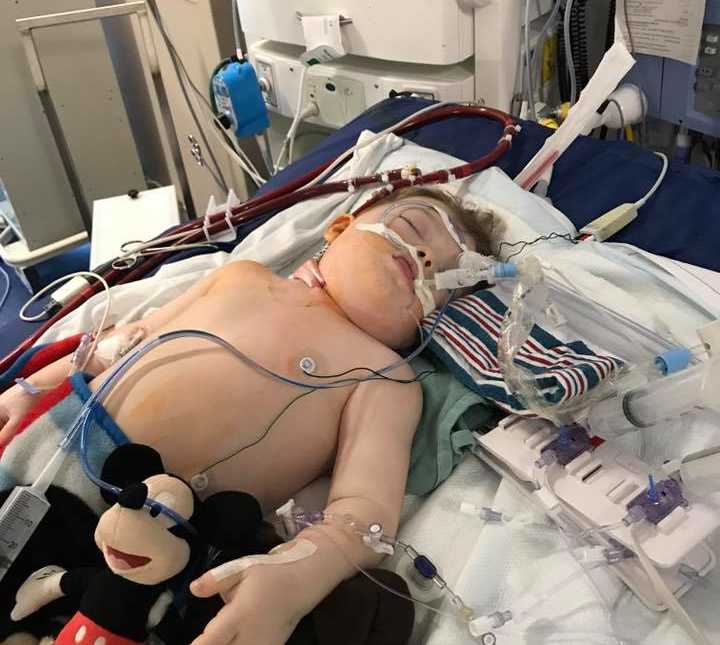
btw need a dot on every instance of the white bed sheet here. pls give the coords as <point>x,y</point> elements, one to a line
<point>494,568</point>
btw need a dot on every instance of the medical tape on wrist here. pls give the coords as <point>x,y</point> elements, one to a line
<point>300,550</point>
<point>422,291</point>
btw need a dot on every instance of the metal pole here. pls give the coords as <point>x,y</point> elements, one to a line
<point>56,129</point>
<point>139,8</point>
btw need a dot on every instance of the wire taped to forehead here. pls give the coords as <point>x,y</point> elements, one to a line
<point>396,210</point>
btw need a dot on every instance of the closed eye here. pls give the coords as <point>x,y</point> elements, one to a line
<point>412,226</point>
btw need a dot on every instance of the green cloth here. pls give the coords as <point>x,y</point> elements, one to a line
<point>451,412</point>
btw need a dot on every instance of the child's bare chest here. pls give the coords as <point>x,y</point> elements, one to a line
<point>200,404</point>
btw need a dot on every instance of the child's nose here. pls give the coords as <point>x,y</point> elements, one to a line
<point>425,258</point>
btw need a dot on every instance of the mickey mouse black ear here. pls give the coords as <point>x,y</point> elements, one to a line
<point>228,519</point>
<point>128,464</point>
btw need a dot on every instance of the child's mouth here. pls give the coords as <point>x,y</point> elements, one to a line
<point>407,268</point>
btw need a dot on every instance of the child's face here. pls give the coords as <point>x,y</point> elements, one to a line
<point>372,279</point>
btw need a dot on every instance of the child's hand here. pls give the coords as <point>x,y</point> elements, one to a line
<point>263,605</point>
<point>15,403</point>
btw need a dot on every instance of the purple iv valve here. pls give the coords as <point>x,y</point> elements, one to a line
<point>657,502</point>
<point>570,443</point>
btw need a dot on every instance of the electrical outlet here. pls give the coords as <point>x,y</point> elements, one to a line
<point>339,99</point>
<point>266,78</point>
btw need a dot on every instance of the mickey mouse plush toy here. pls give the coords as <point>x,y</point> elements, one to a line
<point>151,539</point>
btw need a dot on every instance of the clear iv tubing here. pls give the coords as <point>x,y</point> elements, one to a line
<point>547,484</point>
<point>568,53</point>
<point>103,320</point>
<point>80,424</point>
<point>671,602</point>
<point>464,614</point>
<point>379,583</point>
<point>460,616</point>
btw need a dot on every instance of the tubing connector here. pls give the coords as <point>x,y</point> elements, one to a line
<point>485,624</point>
<point>673,361</point>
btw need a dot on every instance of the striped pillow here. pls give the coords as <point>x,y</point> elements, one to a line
<point>466,341</point>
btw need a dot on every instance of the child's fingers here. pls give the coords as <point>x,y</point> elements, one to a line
<point>8,427</point>
<point>213,582</point>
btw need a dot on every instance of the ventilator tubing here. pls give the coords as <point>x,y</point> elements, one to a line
<point>531,298</point>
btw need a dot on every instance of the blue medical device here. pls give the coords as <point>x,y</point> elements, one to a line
<point>688,95</point>
<point>238,97</point>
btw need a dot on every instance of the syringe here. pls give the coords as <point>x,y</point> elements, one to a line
<point>26,506</point>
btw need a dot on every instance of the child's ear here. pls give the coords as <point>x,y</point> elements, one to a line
<point>228,519</point>
<point>338,225</point>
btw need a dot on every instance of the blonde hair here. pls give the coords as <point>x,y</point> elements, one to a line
<point>479,224</point>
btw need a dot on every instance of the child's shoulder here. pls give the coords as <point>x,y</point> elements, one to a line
<point>243,269</point>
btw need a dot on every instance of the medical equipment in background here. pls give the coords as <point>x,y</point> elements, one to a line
<point>600,492</point>
<point>469,52</point>
<point>582,117</point>
<point>47,128</point>
<point>683,94</point>
<point>137,215</point>
<point>237,101</point>
<point>567,461</point>
<point>237,98</point>
<point>134,86</point>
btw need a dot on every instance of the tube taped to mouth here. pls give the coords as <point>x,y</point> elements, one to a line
<point>422,291</point>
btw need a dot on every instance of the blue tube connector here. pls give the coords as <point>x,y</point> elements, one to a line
<point>505,270</point>
<point>673,360</point>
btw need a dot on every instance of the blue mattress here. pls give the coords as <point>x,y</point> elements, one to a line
<point>682,221</point>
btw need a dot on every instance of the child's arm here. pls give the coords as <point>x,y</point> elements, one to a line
<point>265,602</point>
<point>16,402</point>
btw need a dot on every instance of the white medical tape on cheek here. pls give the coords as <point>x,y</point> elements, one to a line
<point>300,550</point>
<point>422,291</point>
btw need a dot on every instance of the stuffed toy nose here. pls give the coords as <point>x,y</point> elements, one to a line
<point>133,496</point>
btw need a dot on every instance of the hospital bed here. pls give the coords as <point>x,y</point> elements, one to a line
<point>494,566</point>
<point>591,178</point>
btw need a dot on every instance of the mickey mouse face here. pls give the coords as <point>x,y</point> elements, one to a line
<point>141,545</point>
